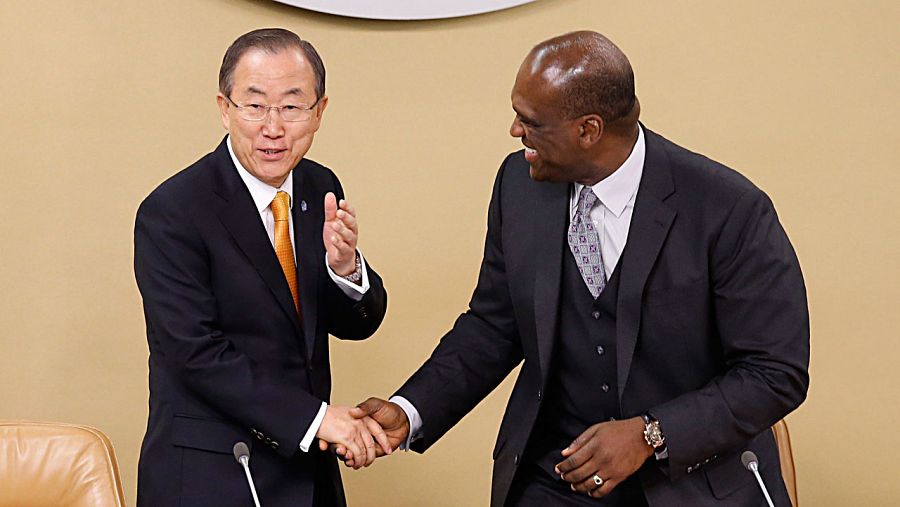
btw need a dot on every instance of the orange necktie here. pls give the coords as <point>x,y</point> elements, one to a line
<point>284,251</point>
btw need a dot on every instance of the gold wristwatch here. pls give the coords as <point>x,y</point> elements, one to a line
<point>653,434</point>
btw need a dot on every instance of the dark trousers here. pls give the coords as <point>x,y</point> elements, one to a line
<point>533,487</point>
<point>323,494</point>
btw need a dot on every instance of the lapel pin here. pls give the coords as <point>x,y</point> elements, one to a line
<point>303,206</point>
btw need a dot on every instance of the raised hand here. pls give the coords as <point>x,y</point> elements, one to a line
<point>340,234</point>
<point>392,420</point>
<point>610,450</point>
<point>356,435</point>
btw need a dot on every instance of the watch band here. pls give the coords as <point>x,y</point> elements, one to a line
<point>356,275</point>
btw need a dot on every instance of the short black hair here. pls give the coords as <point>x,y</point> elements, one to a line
<point>272,40</point>
<point>599,77</point>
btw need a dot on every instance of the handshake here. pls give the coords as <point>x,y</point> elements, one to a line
<point>358,435</point>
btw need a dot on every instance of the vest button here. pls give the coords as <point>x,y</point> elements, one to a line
<point>605,388</point>
<point>595,314</point>
<point>601,350</point>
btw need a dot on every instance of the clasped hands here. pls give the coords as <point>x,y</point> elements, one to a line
<point>353,436</point>
<point>374,421</point>
<point>610,451</point>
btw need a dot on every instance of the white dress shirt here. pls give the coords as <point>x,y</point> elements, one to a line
<point>611,215</point>
<point>263,194</point>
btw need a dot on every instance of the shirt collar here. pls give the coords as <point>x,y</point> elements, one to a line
<point>617,189</point>
<point>262,193</point>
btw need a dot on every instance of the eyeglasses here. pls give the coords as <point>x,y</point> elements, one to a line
<point>259,112</point>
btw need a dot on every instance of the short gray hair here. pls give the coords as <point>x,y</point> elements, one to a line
<point>271,40</point>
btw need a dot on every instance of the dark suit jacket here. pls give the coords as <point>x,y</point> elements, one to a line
<point>229,358</point>
<point>712,328</point>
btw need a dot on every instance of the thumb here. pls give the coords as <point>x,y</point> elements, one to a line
<point>358,413</point>
<point>323,445</point>
<point>330,207</point>
<point>371,406</point>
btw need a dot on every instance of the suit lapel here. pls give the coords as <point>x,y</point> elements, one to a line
<point>241,218</point>
<point>650,224</point>
<point>308,214</point>
<point>550,224</point>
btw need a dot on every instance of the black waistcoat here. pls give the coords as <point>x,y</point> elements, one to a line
<point>581,386</point>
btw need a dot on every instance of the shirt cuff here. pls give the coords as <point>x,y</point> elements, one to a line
<point>352,290</point>
<point>415,422</point>
<point>313,428</point>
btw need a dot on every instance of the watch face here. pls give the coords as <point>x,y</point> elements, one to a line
<point>653,435</point>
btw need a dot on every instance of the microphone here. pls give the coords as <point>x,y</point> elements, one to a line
<point>242,455</point>
<point>748,458</point>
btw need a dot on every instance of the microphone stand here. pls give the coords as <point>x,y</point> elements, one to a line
<point>242,455</point>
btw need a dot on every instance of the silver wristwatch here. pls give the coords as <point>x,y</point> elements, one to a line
<point>356,275</point>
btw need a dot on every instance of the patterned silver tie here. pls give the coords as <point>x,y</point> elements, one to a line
<point>584,241</point>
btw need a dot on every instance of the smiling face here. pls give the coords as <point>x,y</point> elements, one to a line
<point>576,112</point>
<point>270,148</point>
<point>551,141</point>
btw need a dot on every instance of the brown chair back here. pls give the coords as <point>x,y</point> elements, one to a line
<point>57,464</point>
<point>783,440</point>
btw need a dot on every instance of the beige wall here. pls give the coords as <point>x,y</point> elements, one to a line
<point>102,100</point>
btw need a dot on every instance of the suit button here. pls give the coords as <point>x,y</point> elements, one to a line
<point>595,314</point>
<point>516,459</point>
<point>601,350</point>
<point>605,388</point>
<point>274,445</point>
<point>540,394</point>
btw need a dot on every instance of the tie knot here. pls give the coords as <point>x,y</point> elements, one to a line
<point>280,206</point>
<point>586,200</point>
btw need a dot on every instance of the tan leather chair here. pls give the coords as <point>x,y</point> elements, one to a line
<point>56,464</point>
<point>783,440</point>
